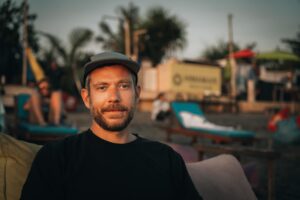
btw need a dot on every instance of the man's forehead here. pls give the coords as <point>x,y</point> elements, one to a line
<point>111,73</point>
<point>111,69</point>
<point>97,81</point>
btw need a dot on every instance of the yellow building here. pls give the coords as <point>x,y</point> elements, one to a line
<point>191,81</point>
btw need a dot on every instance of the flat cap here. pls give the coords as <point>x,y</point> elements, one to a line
<point>107,59</point>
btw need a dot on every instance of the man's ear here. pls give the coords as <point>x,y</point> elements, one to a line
<point>85,97</point>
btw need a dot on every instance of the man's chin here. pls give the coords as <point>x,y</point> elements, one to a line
<point>113,124</point>
<point>114,127</point>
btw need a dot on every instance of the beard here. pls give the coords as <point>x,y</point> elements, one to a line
<point>102,122</point>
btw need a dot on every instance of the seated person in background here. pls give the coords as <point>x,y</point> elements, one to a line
<point>160,108</point>
<point>55,74</point>
<point>44,105</point>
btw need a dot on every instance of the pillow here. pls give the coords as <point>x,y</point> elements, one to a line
<point>221,177</point>
<point>15,162</point>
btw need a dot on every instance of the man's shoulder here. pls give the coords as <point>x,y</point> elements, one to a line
<point>146,141</point>
<point>156,146</point>
<point>64,144</point>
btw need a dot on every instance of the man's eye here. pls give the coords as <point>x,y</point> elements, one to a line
<point>101,87</point>
<point>124,85</point>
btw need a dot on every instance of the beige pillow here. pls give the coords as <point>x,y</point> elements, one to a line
<point>221,177</point>
<point>15,161</point>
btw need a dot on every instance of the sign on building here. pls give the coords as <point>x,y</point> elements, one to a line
<point>196,80</point>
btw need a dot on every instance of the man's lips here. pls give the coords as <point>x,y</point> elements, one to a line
<point>114,111</point>
<point>114,108</point>
<point>115,114</point>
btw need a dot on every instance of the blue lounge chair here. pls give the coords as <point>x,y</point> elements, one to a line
<point>217,133</point>
<point>34,132</point>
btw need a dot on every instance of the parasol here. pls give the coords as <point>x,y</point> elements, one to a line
<point>278,56</point>
<point>245,53</point>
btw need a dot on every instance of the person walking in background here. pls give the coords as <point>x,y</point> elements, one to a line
<point>242,76</point>
<point>107,161</point>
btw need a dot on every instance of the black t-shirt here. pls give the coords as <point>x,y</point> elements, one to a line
<point>86,167</point>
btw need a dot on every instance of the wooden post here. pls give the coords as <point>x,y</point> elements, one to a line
<point>127,38</point>
<point>250,91</point>
<point>136,35</point>
<point>231,58</point>
<point>25,35</point>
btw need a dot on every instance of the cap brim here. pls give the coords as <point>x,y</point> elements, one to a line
<point>90,66</point>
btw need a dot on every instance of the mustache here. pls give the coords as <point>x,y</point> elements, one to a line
<point>114,107</point>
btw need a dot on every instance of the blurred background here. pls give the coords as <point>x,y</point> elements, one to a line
<point>249,48</point>
<point>238,60</point>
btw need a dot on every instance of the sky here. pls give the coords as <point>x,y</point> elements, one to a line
<point>265,22</point>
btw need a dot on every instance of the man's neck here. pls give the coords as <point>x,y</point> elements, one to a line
<point>117,137</point>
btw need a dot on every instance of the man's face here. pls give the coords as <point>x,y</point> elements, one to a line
<point>112,97</point>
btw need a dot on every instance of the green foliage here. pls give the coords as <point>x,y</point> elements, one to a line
<point>56,51</point>
<point>11,20</point>
<point>78,38</point>
<point>71,58</point>
<point>293,44</point>
<point>165,32</point>
<point>218,51</point>
<point>115,41</point>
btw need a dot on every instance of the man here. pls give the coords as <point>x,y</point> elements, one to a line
<point>44,105</point>
<point>107,161</point>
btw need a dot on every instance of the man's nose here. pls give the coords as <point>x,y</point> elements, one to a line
<point>114,94</point>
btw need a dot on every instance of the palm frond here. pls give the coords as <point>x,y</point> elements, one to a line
<point>56,44</point>
<point>79,37</point>
<point>105,28</point>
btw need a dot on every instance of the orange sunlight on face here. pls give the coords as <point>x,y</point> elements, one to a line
<point>112,97</point>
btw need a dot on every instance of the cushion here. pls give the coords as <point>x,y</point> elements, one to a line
<point>194,109</point>
<point>15,161</point>
<point>49,129</point>
<point>220,177</point>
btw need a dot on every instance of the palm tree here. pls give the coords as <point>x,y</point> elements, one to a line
<point>78,39</point>
<point>11,50</point>
<point>293,44</point>
<point>115,41</point>
<point>165,33</point>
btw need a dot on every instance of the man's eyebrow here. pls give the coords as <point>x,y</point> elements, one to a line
<point>100,83</point>
<point>106,83</point>
<point>125,81</point>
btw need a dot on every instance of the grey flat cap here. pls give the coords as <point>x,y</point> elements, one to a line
<point>110,58</point>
